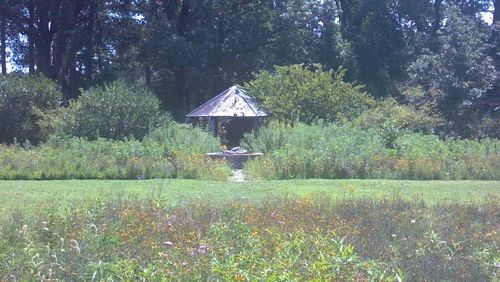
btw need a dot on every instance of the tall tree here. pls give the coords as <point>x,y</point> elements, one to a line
<point>377,41</point>
<point>51,36</point>
<point>3,43</point>
<point>460,69</point>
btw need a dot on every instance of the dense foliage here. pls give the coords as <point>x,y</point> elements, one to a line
<point>459,68</point>
<point>24,102</point>
<point>309,238</point>
<point>113,111</point>
<point>188,51</point>
<point>298,94</point>
<point>158,157</point>
<point>332,151</point>
<point>392,118</point>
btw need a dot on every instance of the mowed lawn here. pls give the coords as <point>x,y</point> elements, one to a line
<point>27,196</point>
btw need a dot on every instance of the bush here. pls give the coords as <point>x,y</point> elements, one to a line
<point>297,94</point>
<point>113,111</point>
<point>23,101</point>
<point>391,119</point>
<point>333,151</point>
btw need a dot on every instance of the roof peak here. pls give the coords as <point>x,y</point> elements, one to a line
<point>232,102</point>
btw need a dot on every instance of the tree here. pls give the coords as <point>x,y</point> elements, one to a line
<point>460,69</point>
<point>373,29</point>
<point>300,93</point>
<point>332,50</point>
<point>23,100</point>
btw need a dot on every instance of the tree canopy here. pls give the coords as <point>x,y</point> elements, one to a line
<point>298,94</point>
<point>186,51</point>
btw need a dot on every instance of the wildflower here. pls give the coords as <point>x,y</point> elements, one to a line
<point>54,257</point>
<point>202,249</point>
<point>75,246</point>
<point>240,277</point>
<point>273,214</point>
<point>393,235</point>
<point>168,244</point>
<point>22,232</point>
<point>93,228</point>
<point>412,221</point>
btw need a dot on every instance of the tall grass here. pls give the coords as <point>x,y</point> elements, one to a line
<point>184,138</point>
<point>333,151</point>
<point>165,154</point>
<point>280,239</point>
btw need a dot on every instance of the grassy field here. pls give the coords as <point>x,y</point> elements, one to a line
<point>297,230</point>
<point>27,195</point>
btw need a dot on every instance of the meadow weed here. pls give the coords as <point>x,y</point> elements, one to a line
<point>76,158</point>
<point>341,151</point>
<point>278,239</point>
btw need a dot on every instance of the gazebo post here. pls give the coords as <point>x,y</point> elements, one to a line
<point>257,122</point>
<point>212,121</point>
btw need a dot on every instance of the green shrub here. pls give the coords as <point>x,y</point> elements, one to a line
<point>297,94</point>
<point>23,101</point>
<point>391,119</point>
<point>113,111</point>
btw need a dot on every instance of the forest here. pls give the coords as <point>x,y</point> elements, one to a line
<point>186,51</point>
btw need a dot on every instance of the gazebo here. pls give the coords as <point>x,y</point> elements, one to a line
<point>231,113</point>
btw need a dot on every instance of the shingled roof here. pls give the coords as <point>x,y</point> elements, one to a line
<point>233,102</point>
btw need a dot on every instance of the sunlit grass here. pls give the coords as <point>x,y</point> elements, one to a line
<point>27,195</point>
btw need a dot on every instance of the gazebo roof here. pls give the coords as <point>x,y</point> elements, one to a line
<point>233,102</point>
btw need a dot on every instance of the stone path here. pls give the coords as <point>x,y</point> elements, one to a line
<point>238,176</point>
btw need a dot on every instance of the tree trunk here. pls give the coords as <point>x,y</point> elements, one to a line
<point>496,34</point>
<point>342,7</point>
<point>3,40</point>
<point>436,24</point>
<point>182,21</point>
<point>72,76</point>
<point>89,68</point>
<point>43,41</point>
<point>182,94</point>
<point>147,75</point>
<point>496,11</point>
<point>31,38</point>
<point>60,52</point>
